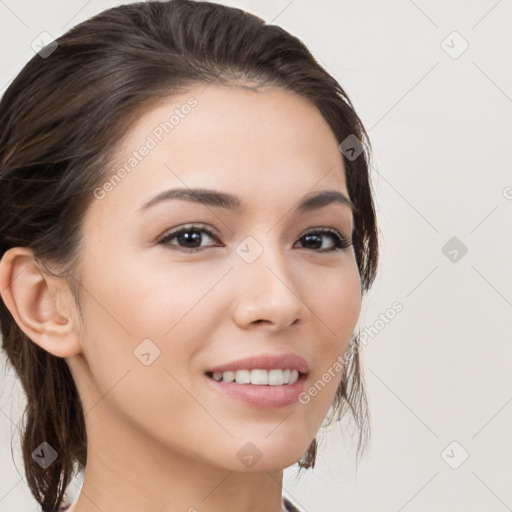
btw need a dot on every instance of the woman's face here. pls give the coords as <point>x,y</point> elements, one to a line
<point>159,317</point>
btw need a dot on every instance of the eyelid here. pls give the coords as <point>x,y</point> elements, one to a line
<point>341,241</point>
<point>324,229</point>
<point>198,226</point>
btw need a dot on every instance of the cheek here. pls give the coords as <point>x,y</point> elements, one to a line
<point>336,304</point>
<point>335,299</point>
<point>142,332</point>
<point>341,305</point>
<point>151,300</point>
<point>149,320</point>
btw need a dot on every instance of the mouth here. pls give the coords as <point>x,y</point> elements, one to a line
<point>263,380</point>
<point>259,376</point>
<point>259,389</point>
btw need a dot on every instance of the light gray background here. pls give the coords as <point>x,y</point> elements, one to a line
<point>441,128</point>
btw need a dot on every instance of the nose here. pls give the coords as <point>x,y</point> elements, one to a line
<point>267,291</point>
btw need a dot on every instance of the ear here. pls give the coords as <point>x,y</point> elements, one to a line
<point>41,304</point>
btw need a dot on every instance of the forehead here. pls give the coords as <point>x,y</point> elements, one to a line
<point>257,141</point>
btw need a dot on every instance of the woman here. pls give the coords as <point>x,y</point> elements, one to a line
<point>187,231</point>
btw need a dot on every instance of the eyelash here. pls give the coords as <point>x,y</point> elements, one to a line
<point>339,240</point>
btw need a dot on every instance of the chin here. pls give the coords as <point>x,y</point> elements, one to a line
<point>264,455</point>
<point>271,464</point>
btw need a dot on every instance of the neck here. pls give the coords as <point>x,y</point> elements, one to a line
<point>126,471</point>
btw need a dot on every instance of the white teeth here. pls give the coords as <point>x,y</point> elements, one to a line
<point>294,375</point>
<point>228,376</point>
<point>258,377</point>
<point>275,377</point>
<point>242,376</point>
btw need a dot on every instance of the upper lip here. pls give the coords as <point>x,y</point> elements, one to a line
<point>265,362</point>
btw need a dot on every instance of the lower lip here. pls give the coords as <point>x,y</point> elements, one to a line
<point>262,396</point>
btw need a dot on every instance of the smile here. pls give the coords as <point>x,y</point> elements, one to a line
<point>259,377</point>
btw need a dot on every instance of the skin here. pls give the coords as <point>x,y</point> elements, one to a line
<point>159,438</point>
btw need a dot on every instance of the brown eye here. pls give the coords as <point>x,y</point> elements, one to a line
<point>314,239</point>
<point>188,238</point>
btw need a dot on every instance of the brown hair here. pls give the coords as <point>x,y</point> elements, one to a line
<point>61,120</point>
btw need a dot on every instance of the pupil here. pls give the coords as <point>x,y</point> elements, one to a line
<point>187,238</point>
<point>318,240</point>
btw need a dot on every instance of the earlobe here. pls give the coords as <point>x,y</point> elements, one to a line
<point>31,296</point>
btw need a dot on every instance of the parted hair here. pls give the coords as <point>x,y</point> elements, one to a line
<point>61,121</point>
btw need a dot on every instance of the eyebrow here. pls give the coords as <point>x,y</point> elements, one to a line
<point>217,199</point>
